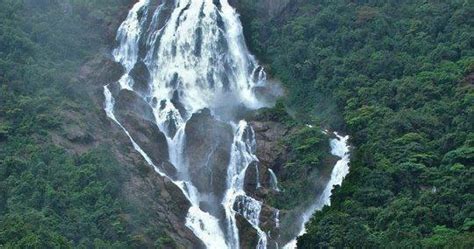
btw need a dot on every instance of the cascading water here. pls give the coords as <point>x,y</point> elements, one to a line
<point>273,180</point>
<point>187,76</point>
<point>339,148</point>
<point>181,57</point>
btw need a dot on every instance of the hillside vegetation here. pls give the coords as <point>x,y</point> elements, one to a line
<point>50,198</point>
<point>398,77</point>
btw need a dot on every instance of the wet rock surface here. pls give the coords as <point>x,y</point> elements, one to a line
<point>208,168</point>
<point>129,103</point>
<point>136,116</point>
<point>141,76</point>
<point>271,153</point>
<point>248,235</point>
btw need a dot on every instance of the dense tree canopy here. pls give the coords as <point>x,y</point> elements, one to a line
<point>398,77</point>
<point>50,198</point>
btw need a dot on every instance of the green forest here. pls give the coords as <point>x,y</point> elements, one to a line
<point>398,77</point>
<point>50,198</point>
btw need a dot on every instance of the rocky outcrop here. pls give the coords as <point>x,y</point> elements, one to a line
<point>154,197</point>
<point>207,149</point>
<point>129,103</point>
<point>141,76</point>
<point>248,235</point>
<point>271,153</point>
<point>137,117</point>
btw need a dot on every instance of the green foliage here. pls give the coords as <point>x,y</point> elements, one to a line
<point>50,198</point>
<point>400,74</point>
<point>165,242</point>
<point>277,113</point>
<point>308,147</point>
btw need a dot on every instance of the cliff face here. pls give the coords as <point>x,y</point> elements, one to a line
<point>152,196</point>
<point>157,198</point>
<point>285,191</point>
<point>155,202</point>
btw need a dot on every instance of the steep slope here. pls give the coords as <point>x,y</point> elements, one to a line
<point>65,180</point>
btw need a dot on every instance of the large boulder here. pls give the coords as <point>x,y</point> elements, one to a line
<point>208,148</point>
<point>141,77</point>
<point>271,153</point>
<point>137,118</point>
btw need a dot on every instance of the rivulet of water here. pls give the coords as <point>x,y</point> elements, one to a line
<point>339,148</point>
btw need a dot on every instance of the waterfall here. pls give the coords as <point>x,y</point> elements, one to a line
<point>273,180</point>
<point>181,57</point>
<point>339,148</point>
<point>187,75</point>
<point>257,177</point>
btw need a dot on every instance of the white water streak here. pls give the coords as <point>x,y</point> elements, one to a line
<point>339,148</point>
<point>207,65</point>
<point>273,180</point>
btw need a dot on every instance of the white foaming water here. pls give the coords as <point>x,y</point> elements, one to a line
<point>242,154</point>
<point>277,218</point>
<point>339,148</point>
<point>257,176</point>
<point>273,180</point>
<point>195,56</point>
<point>189,55</point>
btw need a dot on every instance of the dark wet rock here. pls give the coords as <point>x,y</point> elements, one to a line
<point>137,117</point>
<point>141,78</point>
<point>171,126</point>
<point>268,219</point>
<point>114,88</point>
<point>128,102</point>
<point>147,135</point>
<point>179,200</point>
<point>248,235</point>
<point>160,200</point>
<point>207,147</point>
<point>268,223</point>
<point>102,71</point>
<point>177,104</point>
<point>168,168</point>
<point>251,177</point>
<point>271,153</point>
